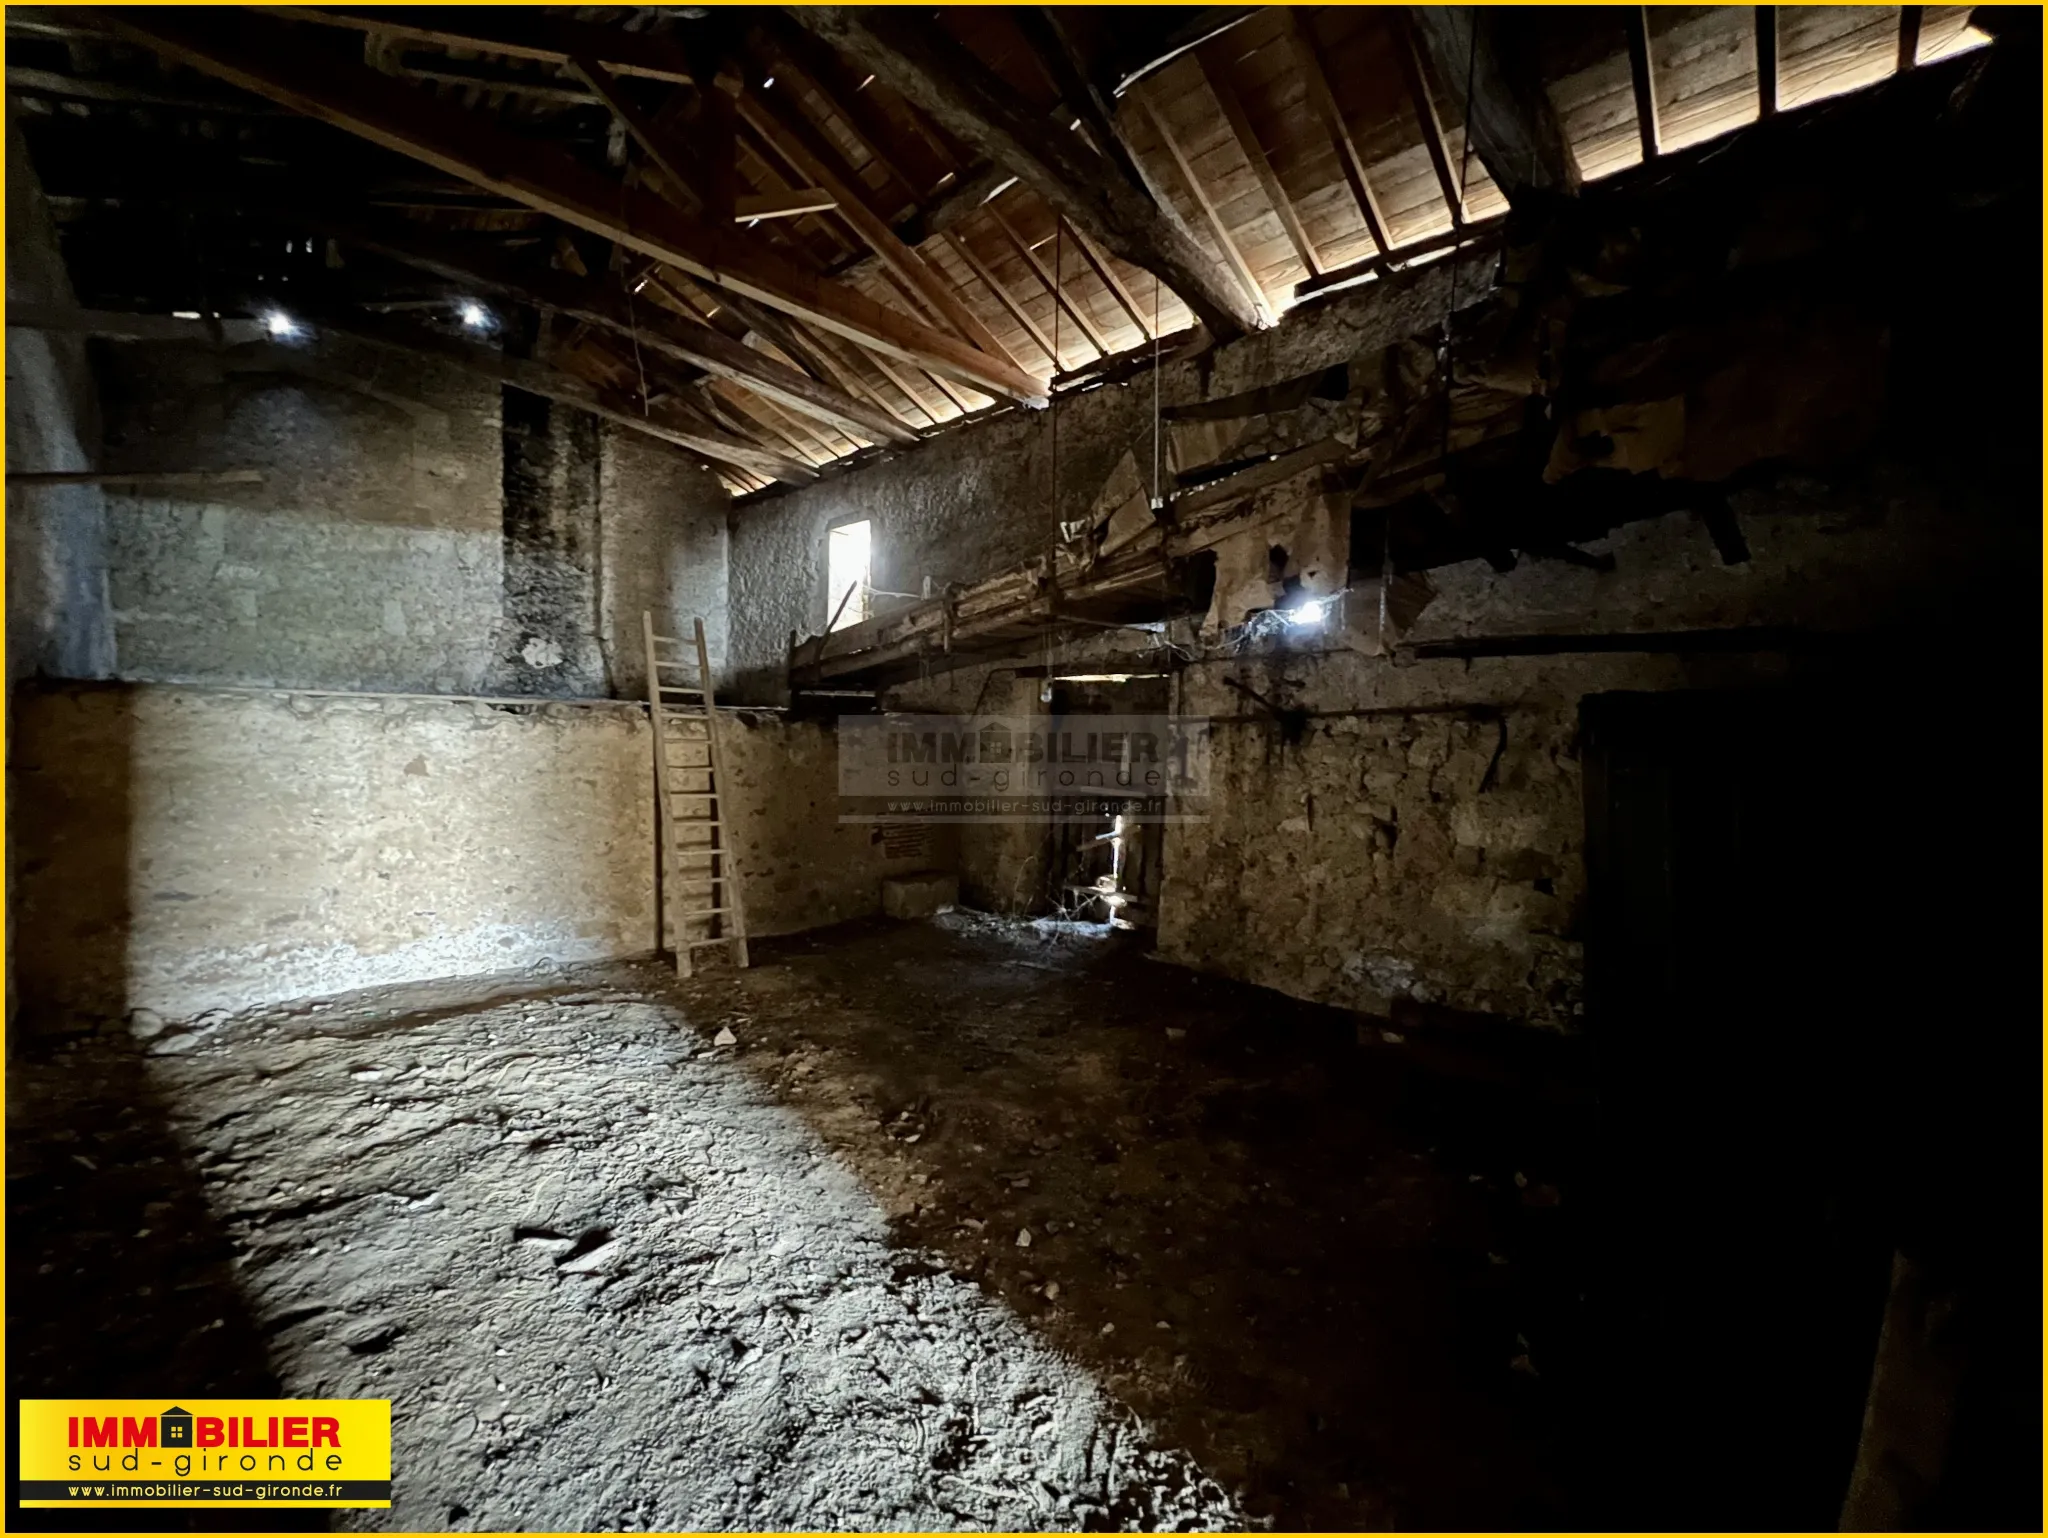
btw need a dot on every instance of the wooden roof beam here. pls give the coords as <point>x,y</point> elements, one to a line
<point>1051,283</point>
<point>1766,61</point>
<point>1092,190</point>
<point>1324,104</point>
<point>518,34</point>
<point>650,325</point>
<point>1214,70</point>
<point>793,142</point>
<point>1408,51</point>
<point>263,57</point>
<point>1100,261</point>
<point>1247,279</point>
<point>1643,79</point>
<point>1509,121</point>
<point>1005,298</point>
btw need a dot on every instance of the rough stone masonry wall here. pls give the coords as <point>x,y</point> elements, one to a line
<point>190,849</point>
<point>969,503</point>
<point>417,530</point>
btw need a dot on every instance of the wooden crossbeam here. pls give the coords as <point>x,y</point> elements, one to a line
<point>1766,60</point>
<point>266,59</point>
<point>1909,36</point>
<point>1004,297</point>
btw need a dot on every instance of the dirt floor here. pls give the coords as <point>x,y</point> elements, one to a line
<point>970,1224</point>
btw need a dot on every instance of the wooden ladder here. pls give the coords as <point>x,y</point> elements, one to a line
<point>699,883</point>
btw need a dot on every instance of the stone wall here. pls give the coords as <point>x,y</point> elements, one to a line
<point>971,502</point>
<point>187,849</point>
<point>417,529</point>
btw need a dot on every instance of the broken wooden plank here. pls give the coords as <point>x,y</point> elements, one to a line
<point>139,479</point>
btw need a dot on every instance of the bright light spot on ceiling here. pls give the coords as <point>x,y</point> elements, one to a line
<point>280,325</point>
<point>1308,612</point>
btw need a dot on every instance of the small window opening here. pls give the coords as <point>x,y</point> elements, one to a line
<point>846,567</point>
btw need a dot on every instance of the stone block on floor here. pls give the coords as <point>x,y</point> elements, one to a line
<point>920,894</point>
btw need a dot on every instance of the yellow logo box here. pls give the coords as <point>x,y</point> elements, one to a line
<point>205,1452</point>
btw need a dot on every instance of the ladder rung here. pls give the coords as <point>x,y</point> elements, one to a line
<point>671,662</point>
<point>676,689</point>
<point>704,913</point>
<point>698,822</point>
<point>716,940</point>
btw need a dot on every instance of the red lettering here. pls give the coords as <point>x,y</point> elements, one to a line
<point>234,1432</point>
<point>273,1433</point>
<point>295,1431</point>
<point>210,1432</point>
<point>138,1433</point>
<point>74,1431</point>
<point>100,1433</point>
<point>326,1431</point>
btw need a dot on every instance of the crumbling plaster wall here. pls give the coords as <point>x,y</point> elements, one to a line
<point>185,849</point>
<point>974,501</point>
<point>417,529</point>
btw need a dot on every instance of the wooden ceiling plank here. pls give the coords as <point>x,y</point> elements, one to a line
<point>1215,73</point>
<point>817,68</point>
<point>1642,79</point>
<point>1050,283</point>
<point>1099,260</point>
<point>1004,297</point>
<point>266,60</point>
<point>549,39</point>
<point>1324,104</point>
<point>1091,190</point>
<point>930,288</point>
<point>1510,122</point>
<point>1246,278</point>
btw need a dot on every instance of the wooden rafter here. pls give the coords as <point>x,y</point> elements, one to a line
<point>807,61</point>
<point>1766,60</point>
<point>532,35</point>
<point>1407,49</point>
<point>1240,269</point>
<point>1088,188</point>
<point>777,124</point>
<point>1909,36</point>
<point>1643,79</point>
<point>571,390</point>
<point>1051,282</point>
<point>1105,269</point>
<point>263,58</point>
<point>1510,123</point>
<point>1004,297</point>
<point>1215,72</point>
<point>1324,104</point>
<point>600,304</point>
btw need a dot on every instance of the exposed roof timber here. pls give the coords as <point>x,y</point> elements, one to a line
<point>262,57</point>
<point>516,32</point>
<point>1004,297</point>
<point>1215,71</point>
<point>669,151</point>
<point>1332,116</point>
<point>773,121</point>
<point>1909,36</point>
<point>571,390</point>
<point>45,82</point>
<point>120,326</point>
<point>1643,79</point>
<point>966,97</point>
<point>809,62</point>
<point>1408,51</point>
<point>1509,120</point>
<point>1240,269</point>
<point>1105,269</point>
<point>597,303</point>
<point>782,205</point>
<point>1202,28</point>
<point>963,197</point>
<point>1051,281</point>
<point>1766,60</point>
